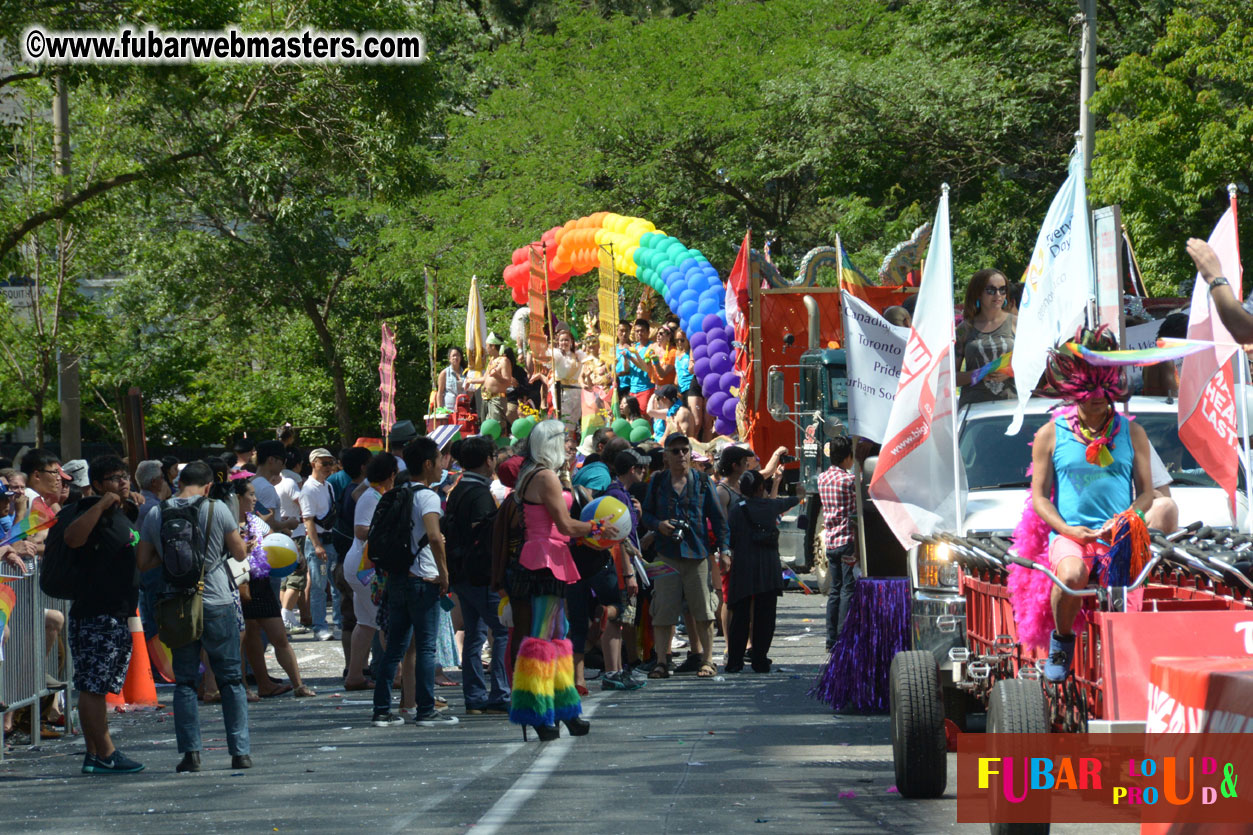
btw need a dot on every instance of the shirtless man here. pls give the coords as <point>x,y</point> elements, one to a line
<point>497,380</point>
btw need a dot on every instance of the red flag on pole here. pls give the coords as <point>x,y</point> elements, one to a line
<point>737,303</point>
<point>1207,412</point>
<point>387,381</point>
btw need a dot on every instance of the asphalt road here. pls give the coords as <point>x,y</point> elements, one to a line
<point>747,753</point>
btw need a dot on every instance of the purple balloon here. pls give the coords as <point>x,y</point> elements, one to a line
<point>725,381</point>
<point>700,368</point>
<point>711,321</point>
<point>717,346</point>
<point>724,427</point>
<point>721,363</point>
<point>698,338</point>
<point>700,352</point>
<point>728,408</point>
<point>709,383</point>
<point>715,402</point>
<point>729,330</point>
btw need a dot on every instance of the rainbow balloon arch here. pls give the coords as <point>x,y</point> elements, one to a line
<point>684,278</point>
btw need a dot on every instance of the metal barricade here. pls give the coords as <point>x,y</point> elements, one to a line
<point>26,664</point>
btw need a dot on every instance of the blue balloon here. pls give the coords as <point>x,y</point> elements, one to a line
<point>687,309</point>
<point>685,265</point>
<point>696,339</point>
<point>669,273</point>
<point>711,321</point>
<point>693,321</point>
<point>673,281</point>
<point>689,295</point>
<point>707,305</point>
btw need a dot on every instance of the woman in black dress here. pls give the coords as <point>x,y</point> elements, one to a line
<point>756,578</point>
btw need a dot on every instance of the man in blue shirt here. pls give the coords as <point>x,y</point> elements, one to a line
<point>678,504</point>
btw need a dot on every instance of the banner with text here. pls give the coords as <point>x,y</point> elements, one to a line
<point>873,347</point>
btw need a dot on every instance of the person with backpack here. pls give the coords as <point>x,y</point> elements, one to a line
<point>99,542</point>
<point>468,523</point>
<point>678,505</point>
<point>408,549</point>
<point>318,511</point>
<point>190,536</point>
<point>755,573</point>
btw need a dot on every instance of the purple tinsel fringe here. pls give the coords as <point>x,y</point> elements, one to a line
<point>877,627</point>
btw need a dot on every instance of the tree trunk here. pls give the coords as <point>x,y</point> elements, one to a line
<point>343,417</point>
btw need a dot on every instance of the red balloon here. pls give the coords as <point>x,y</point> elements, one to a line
<point>520,295</point>
<point>521,255</point>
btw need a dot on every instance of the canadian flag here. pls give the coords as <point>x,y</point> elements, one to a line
<point>1207,411</point>
<point>737,303</point>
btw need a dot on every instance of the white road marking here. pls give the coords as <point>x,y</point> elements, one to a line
<point>531,781</point>
<point>431,801</point>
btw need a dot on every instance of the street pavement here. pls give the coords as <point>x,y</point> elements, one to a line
<point>744,753</point>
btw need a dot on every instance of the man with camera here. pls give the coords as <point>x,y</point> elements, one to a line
<point>678,504</point>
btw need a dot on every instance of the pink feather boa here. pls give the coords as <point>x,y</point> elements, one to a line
<point>1030,591</point>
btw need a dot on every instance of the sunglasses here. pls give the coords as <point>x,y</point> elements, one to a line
<point>681,450</point>
<point>995,291</point>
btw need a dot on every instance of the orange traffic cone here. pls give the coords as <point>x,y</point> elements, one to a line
<point>139,689</point>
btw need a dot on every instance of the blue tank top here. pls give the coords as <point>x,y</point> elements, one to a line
<point>683,373</point>
<point>1087,494</point>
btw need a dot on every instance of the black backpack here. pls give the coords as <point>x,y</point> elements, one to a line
<point>760,535</point>
<point>184,547</point>
<point>467,549</point>
<point>331,518</point>
<point>390,540</point>
<point>60,567</point>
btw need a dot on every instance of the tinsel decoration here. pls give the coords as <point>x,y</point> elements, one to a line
<point>876,628</point>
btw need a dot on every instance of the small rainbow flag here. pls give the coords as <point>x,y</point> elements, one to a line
<point>1001,363</point>
<point>1167,350</point>
<point>789,574</point>
<point>161,658</point>
<point>38,520</point>
<point>8,599</point>
<point>658,569</point>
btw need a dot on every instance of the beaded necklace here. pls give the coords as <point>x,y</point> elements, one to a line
<point>1099,442</point>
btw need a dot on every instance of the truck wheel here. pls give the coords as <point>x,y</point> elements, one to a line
<point>1018,706</point>
<point>919,750</point>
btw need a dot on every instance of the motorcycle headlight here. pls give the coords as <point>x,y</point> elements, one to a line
<point>936,568</point>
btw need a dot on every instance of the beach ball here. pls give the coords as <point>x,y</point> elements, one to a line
<point>280,552</point>
<point>616,517</point>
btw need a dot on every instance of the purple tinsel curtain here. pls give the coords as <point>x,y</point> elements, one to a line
<point>877,627</point>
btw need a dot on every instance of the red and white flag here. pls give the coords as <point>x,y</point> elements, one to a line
<point>919,485</point>
<point>1207,410</point>
<point>737,304</point>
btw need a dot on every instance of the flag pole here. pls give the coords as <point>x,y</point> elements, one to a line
<point>839,262</point>
<point>952,390</point>
<point>1243,366</point>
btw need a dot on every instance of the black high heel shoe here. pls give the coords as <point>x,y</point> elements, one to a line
<point>577,726</point>
<point>546,733</point>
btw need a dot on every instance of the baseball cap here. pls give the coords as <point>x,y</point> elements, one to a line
<point>4,489</point>
<point>320,452</point>
<point>75,472</point>
<point>676,438</point>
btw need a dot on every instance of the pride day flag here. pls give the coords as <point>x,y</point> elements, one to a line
<point>919,485</point>
<point>1056,286</point>
<point>1207,411</point>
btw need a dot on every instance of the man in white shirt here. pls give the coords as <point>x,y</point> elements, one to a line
<point>316,504</point>
<point>413,596</point>
<point>271,456</point>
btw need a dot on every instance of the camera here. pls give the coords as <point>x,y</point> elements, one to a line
<point>681,527</point>
<point>787,459</point>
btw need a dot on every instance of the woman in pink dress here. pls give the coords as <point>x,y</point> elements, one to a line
<point>543,680</point>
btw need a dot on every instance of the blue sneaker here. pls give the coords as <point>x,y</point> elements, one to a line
<point>1061,656</point>
<point>119,763</point>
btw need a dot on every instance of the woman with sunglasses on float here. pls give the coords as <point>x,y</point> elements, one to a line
<point>986,333</point>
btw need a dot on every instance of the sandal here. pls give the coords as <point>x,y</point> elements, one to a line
<point>444,681</point>
<point>691,664</point>
<point>277,691</point>
<point>304,691</point>
<point>662,670</point>
<point>707,670</point>
<point>253,698</point>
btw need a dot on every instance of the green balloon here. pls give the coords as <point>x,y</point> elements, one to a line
<point>643,423</point>
<point>522,428</point>
<point>640,434</point>
<point>491,428</point>
<point>504,441</point>
<point>622,428</point>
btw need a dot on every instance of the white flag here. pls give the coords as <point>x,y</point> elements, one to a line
<point>1057,285</point>
<point>873,347</point>
<point>919,485</point>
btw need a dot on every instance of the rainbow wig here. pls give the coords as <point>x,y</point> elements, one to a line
<point>566,703</point>
<point>1073,379</point>
<point>533,674</point>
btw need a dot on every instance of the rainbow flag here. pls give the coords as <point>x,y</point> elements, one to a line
<point>161,658</point>
<point>789,574</point>
<point>1001,363</point>
<point>8,599</point>
<point>1167,350</point>
<point>658,569</point>
<point>38,520</point>
<point>849,274</point>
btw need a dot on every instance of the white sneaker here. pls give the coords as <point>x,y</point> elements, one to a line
<point>322,634</point>
<point>677,644</point>
<point>436,719</point>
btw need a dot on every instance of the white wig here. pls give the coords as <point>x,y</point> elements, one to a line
<point>547,445</point>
